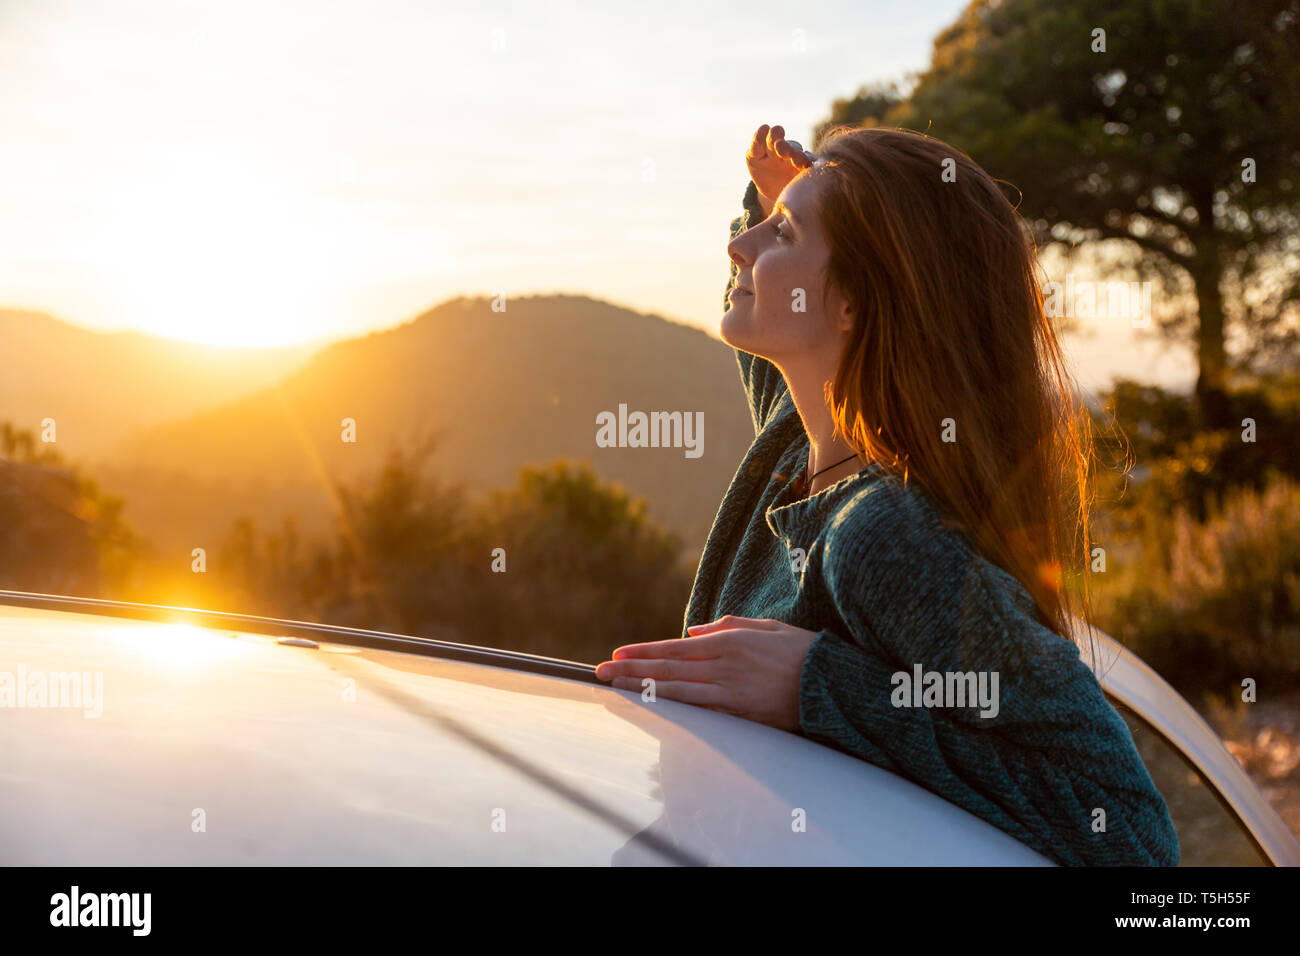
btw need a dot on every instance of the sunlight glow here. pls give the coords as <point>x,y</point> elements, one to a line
<point>179,646</point>
<point>211,249</point>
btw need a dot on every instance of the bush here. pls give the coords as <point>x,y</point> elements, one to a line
<point>586,567</point>
<point>1179,465</point>
<point>1209,603</point>
<point>58,533</point>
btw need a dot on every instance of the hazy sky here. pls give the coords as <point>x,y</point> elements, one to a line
<point>271,172</point>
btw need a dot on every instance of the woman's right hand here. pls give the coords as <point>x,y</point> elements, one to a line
<point>773,161</point>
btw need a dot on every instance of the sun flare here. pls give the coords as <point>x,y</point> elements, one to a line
<point>218,252</point>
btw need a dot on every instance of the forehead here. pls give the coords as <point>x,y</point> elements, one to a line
<point>799,192</point>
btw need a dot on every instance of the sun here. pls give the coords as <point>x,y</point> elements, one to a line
<point>215,249</point>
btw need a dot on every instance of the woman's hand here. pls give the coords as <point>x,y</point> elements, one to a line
<point>773,161</point>
<point>745,666</point>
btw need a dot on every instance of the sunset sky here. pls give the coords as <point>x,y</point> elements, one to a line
<point>261,173</point>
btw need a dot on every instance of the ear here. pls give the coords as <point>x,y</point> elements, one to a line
<point>848,312</point>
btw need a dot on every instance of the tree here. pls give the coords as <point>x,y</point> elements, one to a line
<point>58,532</point>
<point>1173,125</point>
<point>581,569</point>
<point>402,544</point>
<point>587,569</point>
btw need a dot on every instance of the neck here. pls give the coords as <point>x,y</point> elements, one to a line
<point>825,447</point>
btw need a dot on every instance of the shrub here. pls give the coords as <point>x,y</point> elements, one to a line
<point>1209,603</point>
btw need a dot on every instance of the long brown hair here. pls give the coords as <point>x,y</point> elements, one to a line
<point>950,340</point>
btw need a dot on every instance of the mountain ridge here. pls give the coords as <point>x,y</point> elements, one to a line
<point>497,390</point>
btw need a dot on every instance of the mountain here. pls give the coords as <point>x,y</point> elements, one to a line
<point>99,387</point>
<point>498,390</point>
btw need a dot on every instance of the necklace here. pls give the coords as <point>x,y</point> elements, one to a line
<point>813,478</point>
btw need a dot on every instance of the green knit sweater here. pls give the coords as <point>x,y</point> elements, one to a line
<point>867,565</point>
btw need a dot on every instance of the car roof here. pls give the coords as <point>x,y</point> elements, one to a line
<point>226,739</point>
<point>1128,679</point>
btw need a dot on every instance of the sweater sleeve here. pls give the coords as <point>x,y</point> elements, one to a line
<point>1043,761</point>
<point>763,382</point>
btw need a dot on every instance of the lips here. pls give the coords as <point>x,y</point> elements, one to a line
<point>741,290</point>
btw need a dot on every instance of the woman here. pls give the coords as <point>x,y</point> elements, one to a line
<point>917,482</point>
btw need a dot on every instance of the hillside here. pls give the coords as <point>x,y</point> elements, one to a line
<point>498,389</point>
<point>99,387</point>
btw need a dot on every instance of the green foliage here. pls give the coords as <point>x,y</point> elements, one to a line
<point>1142,141</point>
<point>586,569</point>
<point>1210,603</point>
<point>863,109</point>
<point>1153,125</point>
<point>1202,535</point>
<point>1180,465</point>
<point>273,574</point>
<point>402,551</point>
<point>58,533</point>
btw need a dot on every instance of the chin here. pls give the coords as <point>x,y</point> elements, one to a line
<point>734,331</point>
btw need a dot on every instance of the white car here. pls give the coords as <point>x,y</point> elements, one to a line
<point>168,736</point>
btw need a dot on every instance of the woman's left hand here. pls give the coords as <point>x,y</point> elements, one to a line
<point>744,666</point>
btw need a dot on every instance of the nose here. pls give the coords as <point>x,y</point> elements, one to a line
<point>735,253</point>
